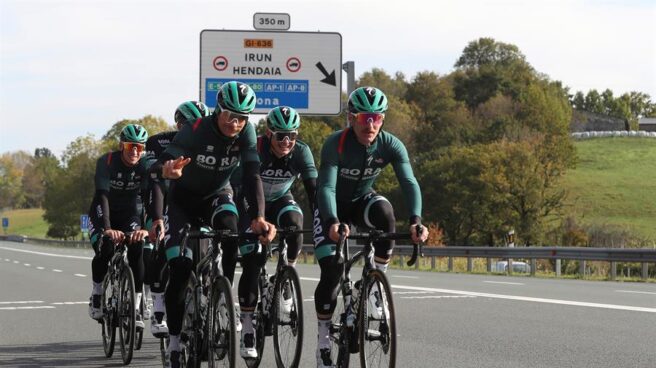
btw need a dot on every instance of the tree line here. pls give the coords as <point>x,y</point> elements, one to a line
<point>489,143</point>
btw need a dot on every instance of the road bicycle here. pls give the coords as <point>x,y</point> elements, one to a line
<point>118,304</point>
<point>279,311</point>
<point>365,321</point>
<point>209,322</point>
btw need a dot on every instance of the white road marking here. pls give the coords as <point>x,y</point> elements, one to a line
<point>16,262</point>
<point>531,299</point>
<point>405,277</point>
<point>308,300</point>
<point>46,254</point>
<point>504,282</point>
<point>26,264</point>
<point>80,275</point>
<point>69,303</point>
<point>412,292</point>
<point>39,268</point>
<point>23,302</point>
<point>39,307</point>
<point>7,259</point>
<point>55,270</point>
<point>635,292</point>
<point>437,296</point>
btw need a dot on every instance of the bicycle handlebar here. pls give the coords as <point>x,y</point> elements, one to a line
<point>374,235</point>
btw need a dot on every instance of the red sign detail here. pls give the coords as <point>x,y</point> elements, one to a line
<point>293,64</point>
<point>220,63</point>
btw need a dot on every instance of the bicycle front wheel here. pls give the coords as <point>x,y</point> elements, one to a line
<point>222,346</point>
<point>376,322</point>
<point>287,313</point>
<point>126,314</point>
<point>109,316</point>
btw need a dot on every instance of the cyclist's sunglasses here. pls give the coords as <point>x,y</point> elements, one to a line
<point>281,136</point>
<point>239,117</point>
<point>140,147</point>
<point>366,118</point>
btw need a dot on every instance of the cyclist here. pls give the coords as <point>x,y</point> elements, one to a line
<point>187,113</point>
<point>115,210</point>
<point>200,160</point>
<point>351,160</point>
<point>283,158</point>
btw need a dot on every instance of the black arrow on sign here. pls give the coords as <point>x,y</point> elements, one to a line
<point>330,78</point>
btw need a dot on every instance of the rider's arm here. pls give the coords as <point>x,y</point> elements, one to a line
<point>251,181</point>
<point>308,173</point>
<point>101,180</point>
<point>156,181</point>
<point>407,180</point>
<point>327,183</point>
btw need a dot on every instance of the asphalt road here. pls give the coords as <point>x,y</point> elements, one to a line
<point>443,320</point>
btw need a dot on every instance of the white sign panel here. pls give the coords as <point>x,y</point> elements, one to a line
<point>298,69</point>
<point>271,21</point>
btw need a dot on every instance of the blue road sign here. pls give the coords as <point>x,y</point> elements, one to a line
<point>84,223</point>
<point>270,93</point>
<point>5,222</point>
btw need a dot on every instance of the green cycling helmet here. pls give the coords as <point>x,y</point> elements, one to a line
<point>190,111</point>
<point>367,99</point>
<point>283,118</point>
<point>236,97</point>
<point>134,133</point>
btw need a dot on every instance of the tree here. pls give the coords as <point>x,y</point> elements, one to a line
<point>70,193</point>
<point>11,195</point>
<point>152,124</point>
<point>593,102</point>
<point>487,67</point>
<point>37,175</point>
<point>391,86</point>
<point>487,51</point>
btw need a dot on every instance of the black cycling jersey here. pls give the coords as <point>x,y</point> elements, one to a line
<point>117,186</point>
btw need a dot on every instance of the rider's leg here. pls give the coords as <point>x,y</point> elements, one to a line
<point>375,212</point>
<point>179,269</point>
<point>223,216</point>
<point>289,213</point>
<point>251,263</point>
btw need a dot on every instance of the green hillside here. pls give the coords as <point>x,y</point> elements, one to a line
<point>614,183</point>
<point>28,222</point>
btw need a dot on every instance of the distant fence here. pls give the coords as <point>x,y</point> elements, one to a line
<point>614,256</point>
<point>51,242</point>
<point>616,133</point>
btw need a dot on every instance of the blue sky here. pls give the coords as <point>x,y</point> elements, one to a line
<point>68,68</point>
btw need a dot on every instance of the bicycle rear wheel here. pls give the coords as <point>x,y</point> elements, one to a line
<point>222,347</point>
<point>126,314</point>
<point>191,333</point>
<point>287,314</point>
<point>376,322</point>
<point>260,321</point>
<point>109,316</point>
<point>340,334</point>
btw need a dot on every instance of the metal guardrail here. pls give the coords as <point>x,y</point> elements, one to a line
<point>583,254</point>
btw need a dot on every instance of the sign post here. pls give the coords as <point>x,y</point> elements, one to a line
<point>84,225</point>
<point>5,224</point>
<point>298,69</point>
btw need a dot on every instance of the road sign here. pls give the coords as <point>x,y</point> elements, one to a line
<point>5,222</point>
<point>298,69</point>
<point>271,21</point>
<point>84,223</point>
